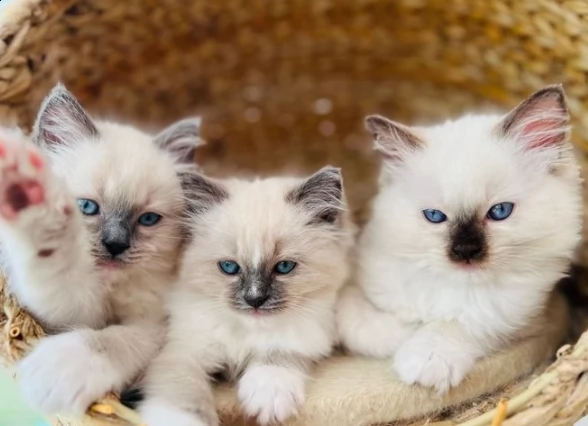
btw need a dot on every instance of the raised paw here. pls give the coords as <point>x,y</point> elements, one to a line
<point>272,394</point>
<point>430,360</point>
<point>21,175</point>
<point>63,375</point>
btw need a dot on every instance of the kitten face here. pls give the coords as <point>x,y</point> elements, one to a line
<point>127,183</point>
<point>268,246</point>
<point>482,194</point>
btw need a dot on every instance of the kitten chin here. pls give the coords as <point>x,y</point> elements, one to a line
<point>475,222</point>
<point>91,217</point>
<point>258,285</point>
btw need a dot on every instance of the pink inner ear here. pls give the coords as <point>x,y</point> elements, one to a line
<point>543,133</point>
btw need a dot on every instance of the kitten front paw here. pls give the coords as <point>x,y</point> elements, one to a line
<point>159,413</point>
<point>22,170</point>
<point>271,393</point>
<point>63,375</point>
<point>429,360</point>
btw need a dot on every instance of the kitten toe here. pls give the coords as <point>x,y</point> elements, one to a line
<point>433,362</point>
<point>21,175</point>
<point>271,393</point>
<point>62,375</point>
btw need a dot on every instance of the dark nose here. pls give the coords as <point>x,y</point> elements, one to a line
<point>115,247</point>
<point>467,251</point>
<point>256,301</point>
<point>116,238</point>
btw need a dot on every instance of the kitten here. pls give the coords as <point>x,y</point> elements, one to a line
<point>475,222</point>
<point>104,259</point>
<point>255,299</point>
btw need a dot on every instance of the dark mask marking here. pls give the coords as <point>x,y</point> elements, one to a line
<point>467,241</point>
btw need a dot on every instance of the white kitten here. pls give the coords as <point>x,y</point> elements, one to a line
<point>105,259</point>
<point>475,222</point>
<point>256,297</point>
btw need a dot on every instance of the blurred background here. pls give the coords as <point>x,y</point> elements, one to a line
<point>13,411</point>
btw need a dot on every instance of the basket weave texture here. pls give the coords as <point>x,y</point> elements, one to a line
<point>283,86</point>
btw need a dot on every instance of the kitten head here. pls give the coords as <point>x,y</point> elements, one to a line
<point>127,183</point>
<point>483,194</point>
<point>268,246</point>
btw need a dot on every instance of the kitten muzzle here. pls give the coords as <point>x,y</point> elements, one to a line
<point>116,237</point>
<point>468,242</point>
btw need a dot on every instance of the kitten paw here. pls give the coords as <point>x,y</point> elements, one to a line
<point>162,414</point>
<point>63,375</point>
<point>429,360</point>
<point>21,175</point>
<point>271,393</point>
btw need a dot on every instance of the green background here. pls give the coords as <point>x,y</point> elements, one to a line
<point>13,411</point>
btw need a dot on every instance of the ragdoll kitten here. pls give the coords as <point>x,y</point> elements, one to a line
<point>255,298</point>
<point>91,230</point>
<point>475,222</point>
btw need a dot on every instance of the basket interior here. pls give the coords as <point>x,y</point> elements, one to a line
<point>283,86</point>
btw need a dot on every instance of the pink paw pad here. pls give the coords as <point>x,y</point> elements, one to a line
<point>20,195</point>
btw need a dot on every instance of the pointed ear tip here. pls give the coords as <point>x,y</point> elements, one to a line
<point>332,170</point>
<point>371,122</point>
<point>554,90</point>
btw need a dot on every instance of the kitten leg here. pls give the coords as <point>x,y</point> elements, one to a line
<point>273,388</point>
<point>177,388</point>
<point>67,372</point>
<point>440,355</point>
<point>364,329</point>
<point>45,246</point>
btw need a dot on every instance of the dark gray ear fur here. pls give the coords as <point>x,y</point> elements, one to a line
<point>181,139</point>
<point>321,194</point>
<point>391,139</point>
<point>62,120</point>
<point>202,192</point>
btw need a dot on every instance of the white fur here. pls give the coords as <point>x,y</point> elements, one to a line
<point>437,317</point>
<point>273,351</point>
<point>271,393</point>
<point>50,377</point>
<point>114,165</point>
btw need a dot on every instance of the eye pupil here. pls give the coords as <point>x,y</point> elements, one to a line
<point>284,267</point>
<point>88,207</point>
<point>500,211</point>
<point>149,219</point>
<point>229,267</point>
<point>434,216</point>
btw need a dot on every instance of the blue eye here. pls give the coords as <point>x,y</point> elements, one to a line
<point>149,219</point>
<point>500,211</point>
<point>284,267</point>
<point>229,267</point>
<point>434,216</point>
<point>88,207</point>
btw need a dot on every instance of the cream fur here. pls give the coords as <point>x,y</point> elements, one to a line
<point>258,225</point>
<point>52,253</point>
<point>436,317</point>
<point>357,391</point>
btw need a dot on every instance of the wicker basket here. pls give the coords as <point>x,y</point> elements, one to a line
<point>283,85</point>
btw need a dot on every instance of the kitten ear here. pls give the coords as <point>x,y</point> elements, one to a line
<point>393,140</point>
<point>181,139</point>
<point>321,194</point>
<point>541,121</point>
<point>201,192</point>
<point>62,120</point>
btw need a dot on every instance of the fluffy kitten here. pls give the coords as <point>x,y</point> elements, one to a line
<point>256,297</point>
<point>475,222</point>
<point>105,259</point>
